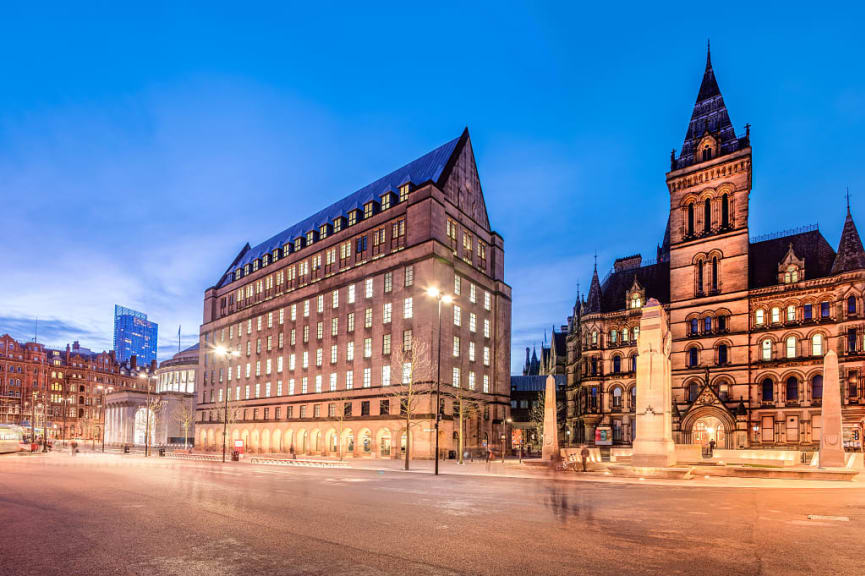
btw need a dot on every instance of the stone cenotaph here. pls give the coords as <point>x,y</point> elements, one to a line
<point>653,445</point>
<point>550,448</point>
<point>831,446</point>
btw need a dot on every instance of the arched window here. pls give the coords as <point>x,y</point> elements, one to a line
<point>700,277</point>
<point>817,387</point>
<point>707,216</point>
<point>594,366</point>
<point>776,315</point>
<point>636,301</point>
<point>768,389</point>
<point>707,325</point>
<point>695,326</point>
<point>614,336</point>
<point>633,398</point>
<point>851,304</point>
<point>766,349</point>
<point>693,357</point>
<point>792,389</point>
<point>633,363</point>
<point>594,338</point>
<point>759,317</point>
<point>725,212</point>
<point>617,398</point>
<point>722,354</point>
<point>617,364</point>
<point>791,313</point>
<point>692,392</point>
<point>791,274</point>
<point>690,231</point>
<point>624,334</point>
<point>707,153</point>
<point>715,274</point>
<point>791,347</point>
<point>817,345</point>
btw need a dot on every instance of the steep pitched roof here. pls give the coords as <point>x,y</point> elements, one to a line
<point>709,116</point>
<point>428,168</point>
<point>850,255</point>
<point>536,383</point>
<point>655,278</point>
<point>593,303</point>
<point>764,257</point>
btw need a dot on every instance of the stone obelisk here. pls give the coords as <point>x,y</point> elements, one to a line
<point>653,445</point>
<point>550,449</point>
<point>831,446</point>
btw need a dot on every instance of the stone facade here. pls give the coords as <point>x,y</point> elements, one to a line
<point>750,318</point>
<point>320,319</point>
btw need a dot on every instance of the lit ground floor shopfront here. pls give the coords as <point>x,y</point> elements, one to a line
<point>351,438</point>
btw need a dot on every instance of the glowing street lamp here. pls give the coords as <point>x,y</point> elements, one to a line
<point>434,292</point>
<point>226,354</point>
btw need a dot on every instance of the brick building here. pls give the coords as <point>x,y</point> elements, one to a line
<point>74,379</point>
<point>327,319</point>
<point>750,318</point>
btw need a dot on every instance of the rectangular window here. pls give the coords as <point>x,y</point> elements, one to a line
<point>409,276</point>
<point>388,282</point>
<point>806,312</point>
<point>367,378</point>
<point>290,390</point>
<point>408,308</point>
<point>457,285</point>
<point>278,393</point>
<point>279,363</point>
<point>267,366</point>
<point>351,322</point>
<point>303,411</point>
<point>367,318</point>
<point>367,347</point>
<point>267,389</point>
<point>293,312</point>
<point>368,288</point>
<point>349,351</point>
<point>471,351</point>
<point>487,329</point>
<point>333,382</point>
<point>386,313</point>
<point>306,334</point>
<point>334,326</point>
<point>385,375</point>
<point>316,411</point>
<point>305,363</point>
<point>306,308</point>
<point>319,330</point>
<point>456,346</point>
<point>304,385</point>
<point>385,344</point>
<point>318,383</point>
<point>318,357</point>
<point>291,358</point>
<point>333,353</point>
<point>487,301</point>
<point>270,319</point>
<point>292,339</point>
<point>473,293</point>
<point>824,309</point>
<point>486,355</point>
<point>331,410</point>
<point>486,384</point>
<point>351,294</point>
<point>456,377</point>
<point>349,380</point>
<point>335,299</point>
<point>471,380</point>
<point>458,316</point>
<point>406,341</point>
<point>406,373</point>
<point>320,303</point>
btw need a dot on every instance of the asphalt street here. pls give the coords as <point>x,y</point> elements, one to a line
<point>95,514</point>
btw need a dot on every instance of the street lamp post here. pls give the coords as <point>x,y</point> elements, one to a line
<point>45,423</point>
<point>33,422</point>
<point>147,413</point>
<point>224,353</point>
<point>447,299</point>
<point>504,436</point>
<point>104,390</point>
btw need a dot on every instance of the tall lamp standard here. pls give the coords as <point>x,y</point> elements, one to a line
<point>104,390</point>
<point>434,292</point>
<point>225,353</point>
<point>504,436</point>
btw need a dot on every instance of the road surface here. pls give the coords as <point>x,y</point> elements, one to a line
<point>94,515</point>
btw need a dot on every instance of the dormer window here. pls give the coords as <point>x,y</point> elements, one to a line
<point>311,237</point>
<point>323,230</point>
<point>255,265</point>
<point>265,260</point>
<point>791,269</point>
<point>352,217</point>
<point>298,243</point>
<point>238,273</point>
<point>368,210</point>
<point>791,275</point>
<point>636,301</point>
<point>403,192</point>
<point>636,296</point>
<point>707,153</point>
<point>286,249</point>
<point>246,269</point>
<point>338,224</point>
<point>275,255</point>
<point>387,200</point>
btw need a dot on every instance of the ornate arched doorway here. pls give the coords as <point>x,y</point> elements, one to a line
<point>707,429</point>
<point>703,424</point>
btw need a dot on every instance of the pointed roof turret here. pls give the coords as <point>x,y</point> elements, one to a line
<point>850,254</point>
<point>709,118</point>
<point>593,304</point>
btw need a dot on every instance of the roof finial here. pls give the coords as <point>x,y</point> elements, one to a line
<point>848,200</point>
<point>708,53</point>
<point>596,260</point>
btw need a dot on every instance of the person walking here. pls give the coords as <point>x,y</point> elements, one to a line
<point>711,447</point>
<point>584,456</point>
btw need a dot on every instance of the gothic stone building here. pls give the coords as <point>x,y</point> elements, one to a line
<point>750,319</point>
<point>328,319</point>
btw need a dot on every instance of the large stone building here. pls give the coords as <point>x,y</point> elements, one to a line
<point>750,318</point>
<point>310,336</point>
<point>66,387</point>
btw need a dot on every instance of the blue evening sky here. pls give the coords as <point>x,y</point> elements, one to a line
<point>140,147</point>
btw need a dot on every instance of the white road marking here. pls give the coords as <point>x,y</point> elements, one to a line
<point>833,518</point>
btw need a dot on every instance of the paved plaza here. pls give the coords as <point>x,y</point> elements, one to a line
<point>111,514</point>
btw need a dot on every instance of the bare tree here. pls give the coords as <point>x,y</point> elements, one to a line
<point>154,413</point>
<point>340,400</point>
<point>411,362</point>
<point>466,407</point>
<point>184,415</point>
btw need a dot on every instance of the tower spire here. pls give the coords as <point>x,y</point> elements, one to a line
<point>851,255</point>
<point>708,53</point>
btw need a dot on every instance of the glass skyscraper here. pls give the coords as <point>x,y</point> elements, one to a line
<point>134,335</point>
